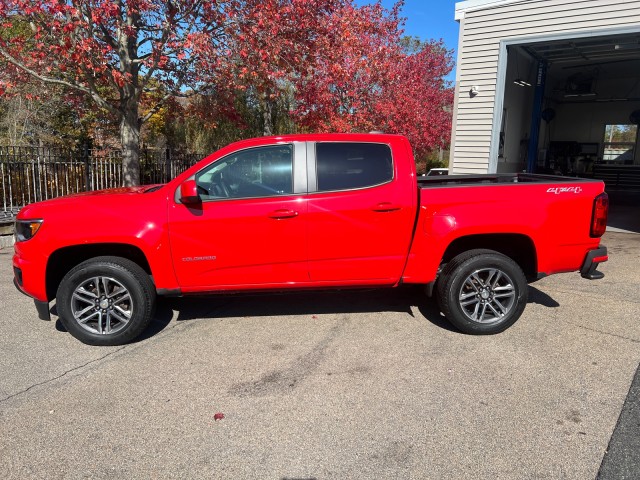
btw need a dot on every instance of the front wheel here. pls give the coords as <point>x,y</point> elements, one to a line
<point>106,301</point>
<point>482,292</point>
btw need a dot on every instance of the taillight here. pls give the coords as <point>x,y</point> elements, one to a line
<point>599,215</point>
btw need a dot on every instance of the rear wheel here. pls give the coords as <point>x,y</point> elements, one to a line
<point>106,301</point>
<point>482,292</point>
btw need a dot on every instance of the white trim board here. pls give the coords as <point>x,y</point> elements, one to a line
<point>472,5</point>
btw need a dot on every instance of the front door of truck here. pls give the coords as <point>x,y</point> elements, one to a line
<point>360,217</point>
<point>249,229</point>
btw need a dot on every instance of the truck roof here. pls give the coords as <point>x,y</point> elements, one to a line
<point>322,137</point>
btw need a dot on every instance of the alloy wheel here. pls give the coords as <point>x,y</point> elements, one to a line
<point>102,305</point>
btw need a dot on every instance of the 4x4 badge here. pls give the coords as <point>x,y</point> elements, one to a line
<point>558,190</point>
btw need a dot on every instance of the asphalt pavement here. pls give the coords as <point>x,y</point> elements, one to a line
<point>366,384</point>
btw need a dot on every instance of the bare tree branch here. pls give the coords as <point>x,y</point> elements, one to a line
<point>91,92</point>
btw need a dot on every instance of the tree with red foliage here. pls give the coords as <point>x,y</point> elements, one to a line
<point>114,52</point>
<point>341,90</point>
<point>418,101</point>
<point>343,67</point>
<point>367,79</point>
<point>274,41</point>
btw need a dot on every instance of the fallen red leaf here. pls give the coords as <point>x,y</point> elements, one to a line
<point>218,416</point>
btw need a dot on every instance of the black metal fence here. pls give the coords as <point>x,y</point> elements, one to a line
<point>32,174</point>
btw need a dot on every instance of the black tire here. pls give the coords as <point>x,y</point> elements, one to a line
<point>106,301</point>
<point>482,292</point>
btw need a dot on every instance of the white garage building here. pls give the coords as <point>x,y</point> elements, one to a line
<point>550,86</point>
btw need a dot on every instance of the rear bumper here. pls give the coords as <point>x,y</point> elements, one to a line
<point>591,262</point>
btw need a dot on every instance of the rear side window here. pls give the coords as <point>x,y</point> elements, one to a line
<point>347,166</point>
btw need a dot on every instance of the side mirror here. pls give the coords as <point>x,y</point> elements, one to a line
<point>189,192</point>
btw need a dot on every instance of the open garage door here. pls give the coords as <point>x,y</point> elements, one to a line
<point>572,107</point>
<point>587,111</point>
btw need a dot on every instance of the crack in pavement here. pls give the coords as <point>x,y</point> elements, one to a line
<point>634,340</point>
<point>166,330</point>
<point>158,335</point>
<point>62,374</point>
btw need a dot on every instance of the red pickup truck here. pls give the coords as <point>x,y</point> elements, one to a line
<point>307,211</point>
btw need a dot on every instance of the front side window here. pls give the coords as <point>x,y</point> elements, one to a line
<point>256,172</point>
<point>348,165</point>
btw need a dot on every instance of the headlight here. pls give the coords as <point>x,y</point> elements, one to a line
<point>26,229</point>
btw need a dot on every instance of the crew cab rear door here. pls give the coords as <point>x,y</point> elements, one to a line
<point>249,228</point>
<point>361,211</point>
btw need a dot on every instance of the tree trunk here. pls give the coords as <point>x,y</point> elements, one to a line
<point>130,140</point>
<point>267,116</point>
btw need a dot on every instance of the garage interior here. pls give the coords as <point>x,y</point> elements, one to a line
<point>580,99</point>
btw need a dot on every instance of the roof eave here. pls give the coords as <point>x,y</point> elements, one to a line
<point>472,5</point>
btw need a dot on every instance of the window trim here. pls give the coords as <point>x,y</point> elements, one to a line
<point>312,167</point>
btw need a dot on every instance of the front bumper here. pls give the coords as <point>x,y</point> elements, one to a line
<point>591,262</point>
<point>42,307</point>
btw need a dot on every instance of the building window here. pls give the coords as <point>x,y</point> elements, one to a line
<point>620,144</point>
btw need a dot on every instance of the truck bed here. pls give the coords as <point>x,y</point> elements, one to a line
<point>493,179</point>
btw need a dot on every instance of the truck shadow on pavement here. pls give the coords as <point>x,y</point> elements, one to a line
<point>405,299</point>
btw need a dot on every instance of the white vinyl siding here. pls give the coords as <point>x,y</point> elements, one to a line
<point>482,26</point>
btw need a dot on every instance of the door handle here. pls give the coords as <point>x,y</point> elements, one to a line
<point>283,213</point>
<point>386,207</point>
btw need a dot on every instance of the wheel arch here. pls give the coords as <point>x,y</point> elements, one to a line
<point>63,260</point>
<point>520,248</point>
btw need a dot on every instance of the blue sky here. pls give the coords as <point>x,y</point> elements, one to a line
<point>429,19</point>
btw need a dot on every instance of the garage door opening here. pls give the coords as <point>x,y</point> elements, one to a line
<point>572,107</point>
